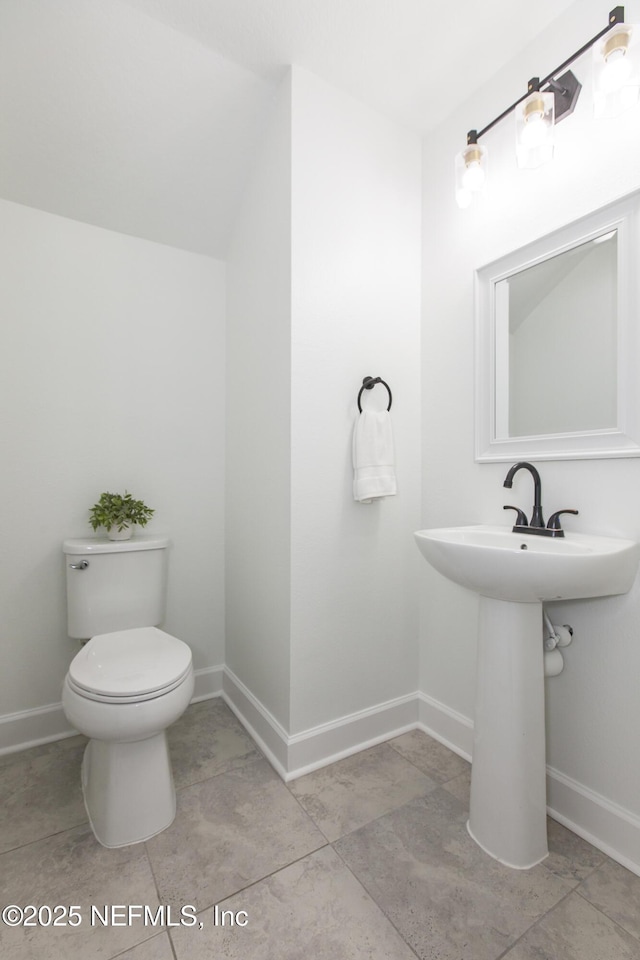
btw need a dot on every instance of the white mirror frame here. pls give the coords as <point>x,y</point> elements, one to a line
<point>623,440</point>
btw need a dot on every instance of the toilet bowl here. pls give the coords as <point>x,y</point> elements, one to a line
<point>123,690</point>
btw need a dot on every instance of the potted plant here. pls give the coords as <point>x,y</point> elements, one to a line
<point>117,513</point>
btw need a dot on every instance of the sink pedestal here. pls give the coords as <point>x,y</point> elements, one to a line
<point>508,810</point>
<point>513,575</point>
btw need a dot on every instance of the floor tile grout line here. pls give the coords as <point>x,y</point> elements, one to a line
<point>548,866</point>
<point>172,946</point>
<point>48,836</point>
<point>160,900</point>
<point>307,814</point>
<point>151,870</point>
<point>220,773</point>
<point>161,930</point>
<point>329,845</point>
<point>258,880</point>
<point>605,860</point>
<point>441,783</point>
<point>288,784</point>
<point>373,898</point>
<point>603,913</point>
<point>536,923</point>
<point>386,813</point>
<point>134,946</point>
<point>434,786</point>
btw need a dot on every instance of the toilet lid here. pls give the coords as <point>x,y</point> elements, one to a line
<point>130,663</point>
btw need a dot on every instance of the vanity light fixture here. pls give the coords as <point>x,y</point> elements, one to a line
<point>471,170</point>
<point>547,101</point>
<point>535,118</point>
<point>616,71</point>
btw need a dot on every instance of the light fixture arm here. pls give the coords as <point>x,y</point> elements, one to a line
<point>616,16</point>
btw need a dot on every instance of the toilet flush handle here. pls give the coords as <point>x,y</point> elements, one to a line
<point>79,566</point>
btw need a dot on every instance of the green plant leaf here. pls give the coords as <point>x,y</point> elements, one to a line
<point>114,509</point>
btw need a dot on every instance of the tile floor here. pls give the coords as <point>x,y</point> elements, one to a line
<point>368,858</point>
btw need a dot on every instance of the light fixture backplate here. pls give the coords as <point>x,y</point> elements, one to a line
<point>566,90</point>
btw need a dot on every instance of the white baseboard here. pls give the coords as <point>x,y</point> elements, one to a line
<point>328,742</point>
<point>449,727</point>
<point>293,756</point>
<point>30,728</point>
<point>605,824</point>
<point>261,725</point>
<point>208,683</point>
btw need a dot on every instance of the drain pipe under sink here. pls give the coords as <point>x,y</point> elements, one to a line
<point>554,636</point>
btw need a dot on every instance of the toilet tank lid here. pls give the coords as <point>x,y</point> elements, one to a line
<point>102,545</point>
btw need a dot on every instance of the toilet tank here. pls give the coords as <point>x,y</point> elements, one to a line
<point>115,584</point>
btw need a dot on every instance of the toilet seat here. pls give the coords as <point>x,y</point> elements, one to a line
<point>130,666</point>
<point>136,698</point>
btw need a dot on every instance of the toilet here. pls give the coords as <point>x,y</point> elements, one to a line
<point>129,682</point>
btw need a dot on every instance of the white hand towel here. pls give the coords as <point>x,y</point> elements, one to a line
<point>374,473</point>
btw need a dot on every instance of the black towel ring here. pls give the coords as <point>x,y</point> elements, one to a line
<point>368,384</point>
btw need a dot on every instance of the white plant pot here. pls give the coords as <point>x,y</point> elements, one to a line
<point>124,534</point>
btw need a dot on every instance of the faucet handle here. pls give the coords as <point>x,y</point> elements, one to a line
<point>554,520</point>
<point>521,519</point>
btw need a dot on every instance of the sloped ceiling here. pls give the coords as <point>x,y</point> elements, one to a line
<point>141,115</point>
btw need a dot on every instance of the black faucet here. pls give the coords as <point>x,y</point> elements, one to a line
<point>553,528</point>
<point>536,516</point>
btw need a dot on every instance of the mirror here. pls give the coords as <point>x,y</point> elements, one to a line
<point>556,323</point>
<point>556,347</point>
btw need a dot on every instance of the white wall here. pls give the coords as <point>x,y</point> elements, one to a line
<point>258,423</point>
<point>324,289</point>
<point>355,313</point>
<point>112,377</point>
<point>593,707</point>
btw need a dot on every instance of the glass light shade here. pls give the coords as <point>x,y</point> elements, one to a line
<point>471,173</point>
<point>534,129</point>
<point>616,71</point>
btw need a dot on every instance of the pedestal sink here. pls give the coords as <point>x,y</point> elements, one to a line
<point>514,573</point>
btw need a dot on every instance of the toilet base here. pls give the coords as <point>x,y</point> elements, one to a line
<point>128,789</point>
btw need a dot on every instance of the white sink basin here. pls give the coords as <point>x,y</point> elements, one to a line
<point>495,562</point>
